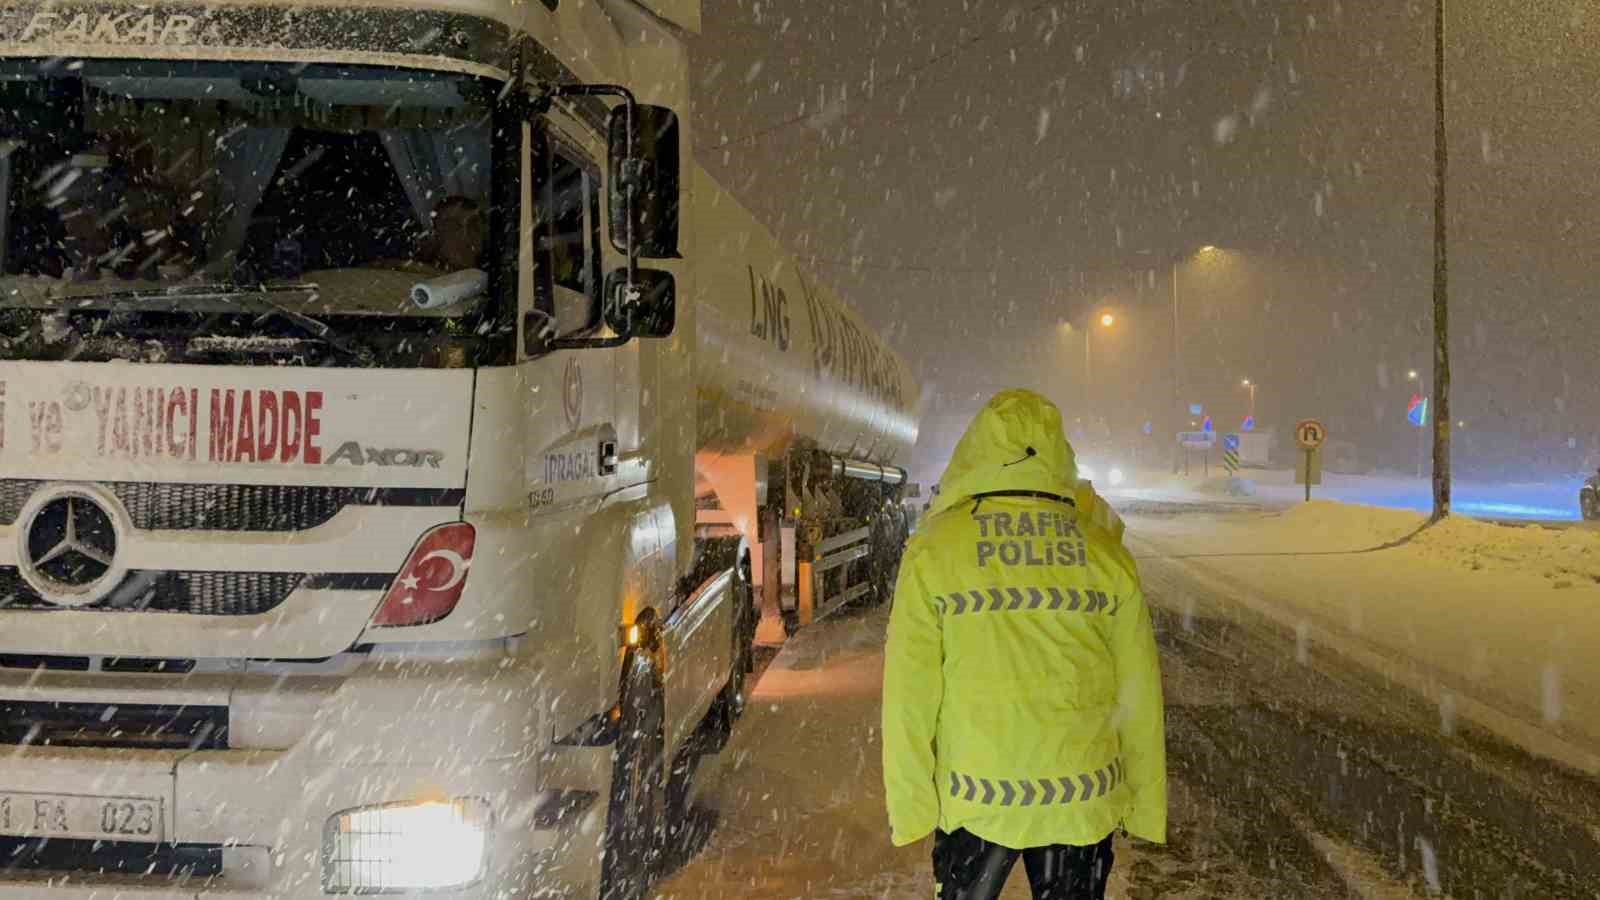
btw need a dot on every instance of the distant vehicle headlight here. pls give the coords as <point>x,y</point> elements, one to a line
<point>405,847</point>
<point>1115,476</point>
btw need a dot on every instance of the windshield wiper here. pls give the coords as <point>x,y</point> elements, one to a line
<point>260,295</point>
<point>315,327</point>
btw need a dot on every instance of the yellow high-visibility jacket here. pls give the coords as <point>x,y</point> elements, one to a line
<point>1021,691</point>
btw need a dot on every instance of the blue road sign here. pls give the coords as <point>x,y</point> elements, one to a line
<point>1230,442</point>
<point>1207,425</point>
<point>1194,409</point>
<point>1149,428</point>
<point>1249,424</point>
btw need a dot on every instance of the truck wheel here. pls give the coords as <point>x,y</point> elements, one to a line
<point>752,615</point>
<point>888,541</point>
<point>635,816</point>
<point>1590,502</point>
<point>730,704</point>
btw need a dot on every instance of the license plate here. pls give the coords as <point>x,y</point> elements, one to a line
<point>76,816</point>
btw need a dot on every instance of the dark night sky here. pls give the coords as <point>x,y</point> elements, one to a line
<point>970,173</point>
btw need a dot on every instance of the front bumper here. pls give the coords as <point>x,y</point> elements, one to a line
<point>268,811</point>
<point>392,732</point>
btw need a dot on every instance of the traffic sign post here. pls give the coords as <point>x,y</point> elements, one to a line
<point>1230,453</point>
<point>1197,440</point>
<point>1310,435</point>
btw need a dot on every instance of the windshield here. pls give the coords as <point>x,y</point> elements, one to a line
<point>244,210</point>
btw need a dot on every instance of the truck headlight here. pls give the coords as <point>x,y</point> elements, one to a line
<point>399,847</point>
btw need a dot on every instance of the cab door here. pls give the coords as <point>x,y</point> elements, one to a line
<point>570,444</point>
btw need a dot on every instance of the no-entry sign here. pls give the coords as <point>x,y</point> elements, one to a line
<point>1310,433</point>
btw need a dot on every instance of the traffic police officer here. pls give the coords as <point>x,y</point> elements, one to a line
<point>1022,710</point>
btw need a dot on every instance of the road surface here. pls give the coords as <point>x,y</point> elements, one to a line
<point>1294,771</point>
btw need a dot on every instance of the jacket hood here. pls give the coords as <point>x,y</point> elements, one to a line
<point>1015,443</point>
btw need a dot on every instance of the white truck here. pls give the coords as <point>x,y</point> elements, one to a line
<point>393,421</point>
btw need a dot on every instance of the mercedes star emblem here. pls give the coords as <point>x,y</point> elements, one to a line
<point>69,548</point>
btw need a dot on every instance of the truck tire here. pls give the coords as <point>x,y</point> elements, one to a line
<point>752,613</point>
<point>730,702</point>
<point>888,542</point>
<point>635,817</point>
<point>1589,501</point>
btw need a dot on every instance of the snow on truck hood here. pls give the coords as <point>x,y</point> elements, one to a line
<point>256,425</point>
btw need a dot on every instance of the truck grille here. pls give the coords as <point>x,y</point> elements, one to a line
<point>233,507</point>
<point>194,593</point>
<point>147,726</point>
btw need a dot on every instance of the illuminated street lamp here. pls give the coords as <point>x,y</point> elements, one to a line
<point>1108,320</point>
<point>1252,386</point>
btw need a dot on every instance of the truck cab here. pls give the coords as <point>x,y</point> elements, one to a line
<point>357,422</point>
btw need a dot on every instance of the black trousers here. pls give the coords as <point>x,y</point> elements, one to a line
<point>967,867</point>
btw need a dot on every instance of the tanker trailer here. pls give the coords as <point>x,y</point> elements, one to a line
<point>799,398</point>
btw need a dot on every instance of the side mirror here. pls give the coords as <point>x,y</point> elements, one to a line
<point>650,312</point>
<point>644,159</point>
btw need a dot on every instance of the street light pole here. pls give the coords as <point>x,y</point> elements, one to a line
<point>1106,321</point>
<point>1422,430</point>
<point>1441,281</point>
<point>1177,366</point>
<point>1088,370</point>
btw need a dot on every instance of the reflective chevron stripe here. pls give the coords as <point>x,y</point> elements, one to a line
<point>1038,791</point>
<point>1027,599</point>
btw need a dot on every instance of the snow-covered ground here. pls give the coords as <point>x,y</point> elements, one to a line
<point>1338,719</point>
<point>1495,623</point>
<point>797,802</point>
<point>1549,499</point>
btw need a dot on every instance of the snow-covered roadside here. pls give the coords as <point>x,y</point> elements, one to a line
<point>1548,499</point>
<point>1496,624</point>
<point>798,798</point>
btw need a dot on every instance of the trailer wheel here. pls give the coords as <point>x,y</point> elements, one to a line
<point>888,541</point>
<point>635,816</point>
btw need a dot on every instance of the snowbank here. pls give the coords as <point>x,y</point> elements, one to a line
<point>1552,499</point>
<point>1347,525</point>
<point>1228,487</point>
<point>1496,623</point>
<point>1566,557</point>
